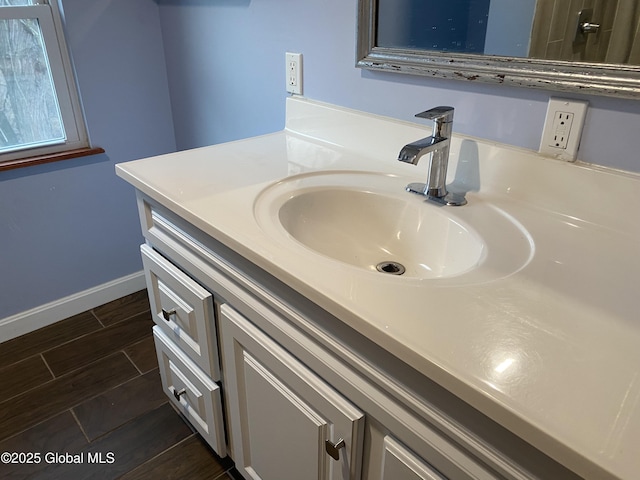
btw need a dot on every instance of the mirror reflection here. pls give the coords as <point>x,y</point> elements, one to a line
<point>594,31</point>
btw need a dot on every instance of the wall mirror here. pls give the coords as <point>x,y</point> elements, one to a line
<point>586,46</point>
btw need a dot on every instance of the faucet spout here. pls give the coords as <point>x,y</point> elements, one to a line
<point>412,152</point>
<point>437,145</point>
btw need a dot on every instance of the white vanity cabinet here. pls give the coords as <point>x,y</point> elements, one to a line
<point>305,396</point>
<point>286,422</point>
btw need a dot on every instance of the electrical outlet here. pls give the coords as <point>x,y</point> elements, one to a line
<point>563,128</point>
<point>560,129</point>
<point>294,72</point>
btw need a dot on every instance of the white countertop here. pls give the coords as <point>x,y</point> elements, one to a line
<point>550,351</point>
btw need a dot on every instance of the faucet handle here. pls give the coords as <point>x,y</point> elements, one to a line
<point>444,114</point>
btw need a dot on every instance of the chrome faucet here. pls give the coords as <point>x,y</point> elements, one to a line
<point>438,146</point>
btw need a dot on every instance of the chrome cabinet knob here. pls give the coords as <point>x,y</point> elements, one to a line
<point>166,314</point>
<point>333,449</point>
<point>179,393</point>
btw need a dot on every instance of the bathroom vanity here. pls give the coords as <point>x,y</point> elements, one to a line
<point>507,348</point>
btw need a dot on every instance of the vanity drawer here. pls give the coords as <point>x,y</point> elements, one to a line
<point>195,395</point>
<point>182,309</point>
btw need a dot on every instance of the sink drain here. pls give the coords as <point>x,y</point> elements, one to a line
<point>392,268</point>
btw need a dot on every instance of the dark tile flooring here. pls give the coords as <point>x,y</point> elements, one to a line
<point>82,399</point>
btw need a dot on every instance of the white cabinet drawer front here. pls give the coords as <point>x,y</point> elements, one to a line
<point>282,415</point>
<point>183,309</point>
<point>196,396</point>
<point>398,462</point>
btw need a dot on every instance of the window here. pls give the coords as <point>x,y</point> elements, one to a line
<point>40,114</point>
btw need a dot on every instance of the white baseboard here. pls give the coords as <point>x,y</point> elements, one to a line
<point>30,320</point>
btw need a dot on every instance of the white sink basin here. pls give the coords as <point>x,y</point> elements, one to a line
<point>368,229</point>
<point>368,221</point>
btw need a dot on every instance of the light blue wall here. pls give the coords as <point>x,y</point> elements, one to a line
<point>72,225</point>
<point>226,69</point>
<point>69,226</point>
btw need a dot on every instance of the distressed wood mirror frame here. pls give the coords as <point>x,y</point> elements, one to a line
<point>578,77</point>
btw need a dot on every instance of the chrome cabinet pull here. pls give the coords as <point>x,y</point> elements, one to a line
<point>588,27</point>
<point>333,449</point>
<point>166,314</point>
<point>178,394</point>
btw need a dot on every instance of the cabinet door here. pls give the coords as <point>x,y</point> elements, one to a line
<point>192,392</point>
<point>286,422</point>
<point>400,463</point>
<point>182,309</point>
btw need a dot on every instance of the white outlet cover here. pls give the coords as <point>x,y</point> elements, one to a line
<point>573,133</point>
<point>294,72</point>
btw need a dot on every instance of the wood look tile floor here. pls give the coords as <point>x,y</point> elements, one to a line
<point>87,390</point>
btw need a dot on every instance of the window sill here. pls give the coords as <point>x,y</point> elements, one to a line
<point>51,157</point>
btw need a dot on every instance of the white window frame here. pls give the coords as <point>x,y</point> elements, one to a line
<point>48,14</point>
